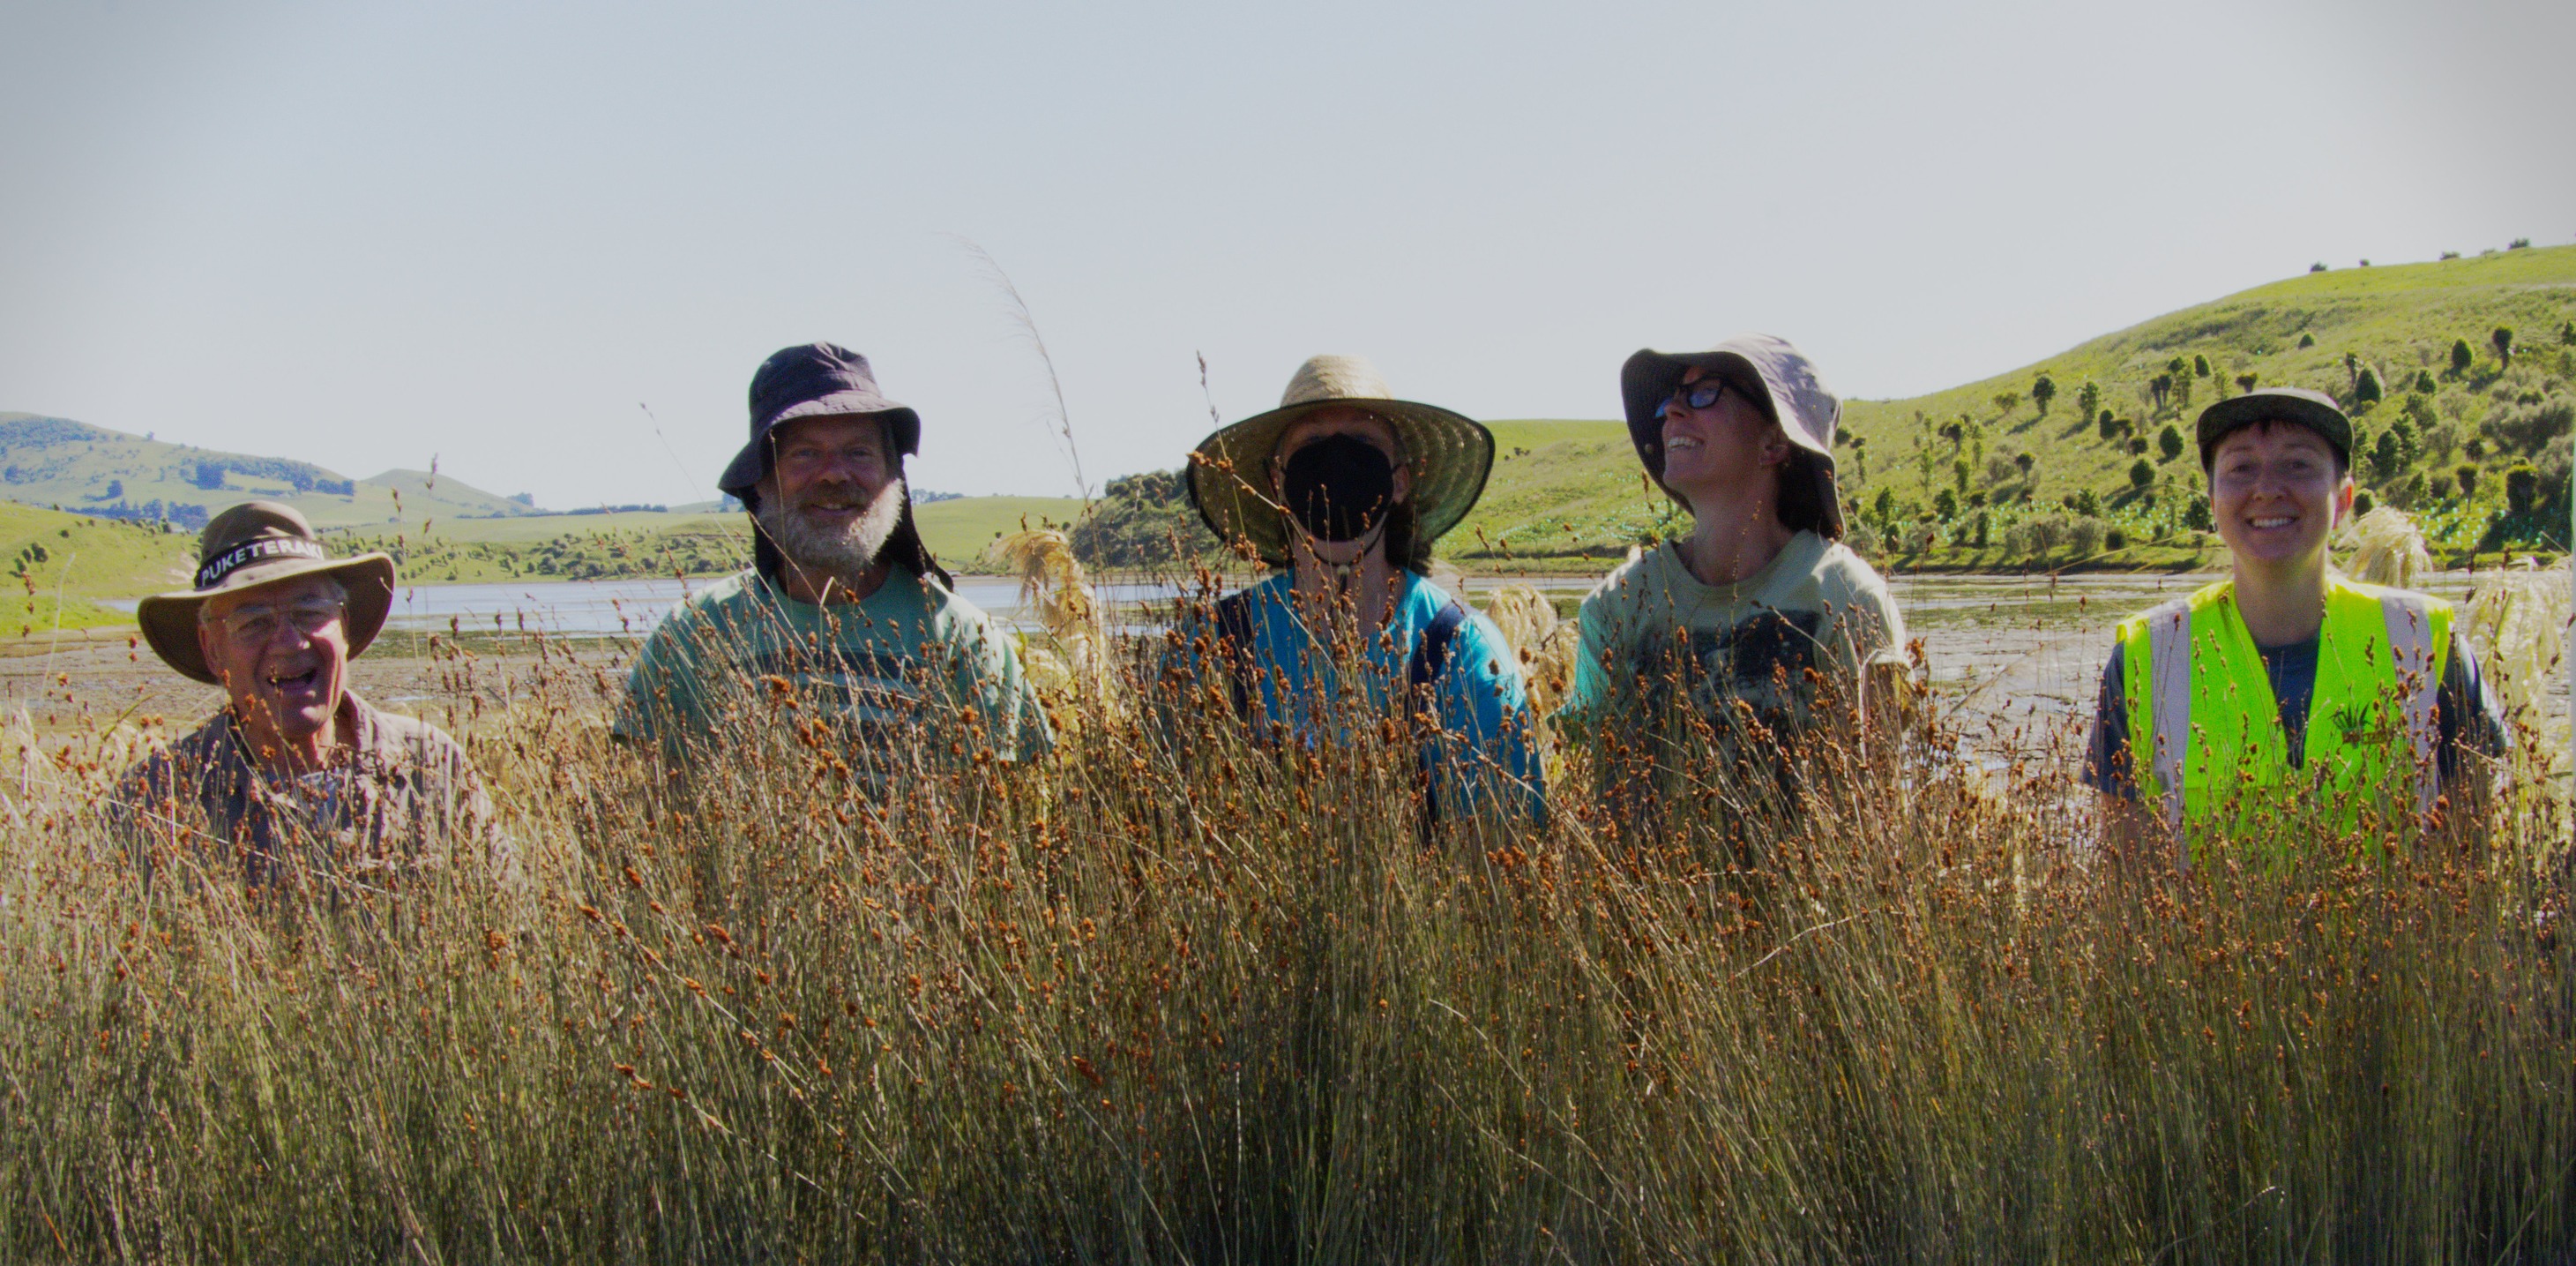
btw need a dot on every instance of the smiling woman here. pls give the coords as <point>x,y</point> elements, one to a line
<point>2286,687</point>
<point>1761,605</point>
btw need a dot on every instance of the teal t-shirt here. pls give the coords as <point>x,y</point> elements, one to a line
<point>895,671</point>
<point>1484,751</point>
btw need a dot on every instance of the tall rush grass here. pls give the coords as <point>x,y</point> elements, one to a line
<point>1186,992</point>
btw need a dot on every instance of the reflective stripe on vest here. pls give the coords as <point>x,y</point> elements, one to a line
<point>2419,685</point>
<point>2169,668</point>
<point>2415,631</point>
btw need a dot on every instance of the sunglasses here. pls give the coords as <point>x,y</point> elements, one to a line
<point>1693,395</point>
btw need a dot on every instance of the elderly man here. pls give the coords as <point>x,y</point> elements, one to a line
<point>297,775</point>
<point>843,612</point>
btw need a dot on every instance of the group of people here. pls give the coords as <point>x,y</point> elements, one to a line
<point>1756,626</point>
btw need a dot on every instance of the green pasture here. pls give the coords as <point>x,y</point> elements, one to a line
<point>75,560</point>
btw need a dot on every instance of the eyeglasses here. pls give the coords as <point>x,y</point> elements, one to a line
<point>1694,395</point>
<point>255,625</point>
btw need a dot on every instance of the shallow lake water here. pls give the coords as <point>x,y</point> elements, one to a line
<point>2014,650</point>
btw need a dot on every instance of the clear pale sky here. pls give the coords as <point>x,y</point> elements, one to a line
<point>363,234</point>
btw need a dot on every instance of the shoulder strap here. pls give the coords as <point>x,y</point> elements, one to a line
<point>1430,656</point>
<point>1234,646</point>
<point>1431,653</point>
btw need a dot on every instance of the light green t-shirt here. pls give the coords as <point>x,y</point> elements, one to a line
<point>897,672</point>
<point>1816,606</point>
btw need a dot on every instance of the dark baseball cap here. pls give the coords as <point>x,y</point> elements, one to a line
<point>814,380</point>
<point>2312,409</point>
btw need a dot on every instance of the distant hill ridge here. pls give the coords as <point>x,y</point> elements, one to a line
<point>2412,349</point>
<point>93,470</point>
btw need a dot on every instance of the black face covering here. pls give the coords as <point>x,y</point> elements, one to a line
<point>1339,487</point>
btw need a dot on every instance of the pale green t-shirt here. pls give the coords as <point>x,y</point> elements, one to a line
<point>898,672</point>
<point>1652,629</point>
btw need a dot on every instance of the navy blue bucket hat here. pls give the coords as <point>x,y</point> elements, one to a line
<point>813,380</point>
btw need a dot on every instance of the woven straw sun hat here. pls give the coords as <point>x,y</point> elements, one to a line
<point>261,543</point>
<point>1449,454</point>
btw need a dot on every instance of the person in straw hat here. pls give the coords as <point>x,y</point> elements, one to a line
<point>1760,604</point>
<point>297,774</point>
<point>1343,489</point>
<point>843,605</point>
<point>2286,687</point>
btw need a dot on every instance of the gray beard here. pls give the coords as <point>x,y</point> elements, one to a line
<point>844,556</point>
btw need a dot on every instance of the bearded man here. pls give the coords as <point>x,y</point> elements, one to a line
<point>843,612</point>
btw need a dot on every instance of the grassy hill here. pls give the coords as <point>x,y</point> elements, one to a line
<point>1563,492</point>
<point>93,470</point>
<point>79,560</point>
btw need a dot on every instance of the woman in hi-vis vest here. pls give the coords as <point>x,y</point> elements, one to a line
<point>2288,693</point>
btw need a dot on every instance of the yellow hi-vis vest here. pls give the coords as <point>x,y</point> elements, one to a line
<point>2205,731</point>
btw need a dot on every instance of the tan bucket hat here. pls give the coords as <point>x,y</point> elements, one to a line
<point>260,543</point>
<point>1449,453</point>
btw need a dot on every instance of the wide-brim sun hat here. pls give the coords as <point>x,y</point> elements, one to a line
<point>1776,374</point>
<point>2314,410</point>
<point>250,545</point>
<point>1449,453</point>
<point>813,380</point>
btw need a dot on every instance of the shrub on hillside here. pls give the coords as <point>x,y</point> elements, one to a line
<point>2525,428</point>
<point>2461,356</point>
<point>2387,457</point>
<point>2502,338</point>
<point>2441,439</point>
<point>2084,536</point>
<point>2169,442</point>
<point>2142,473</point>
<point>2365,389</point>
<point>2521,489</point>
<point>1142,522</point>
